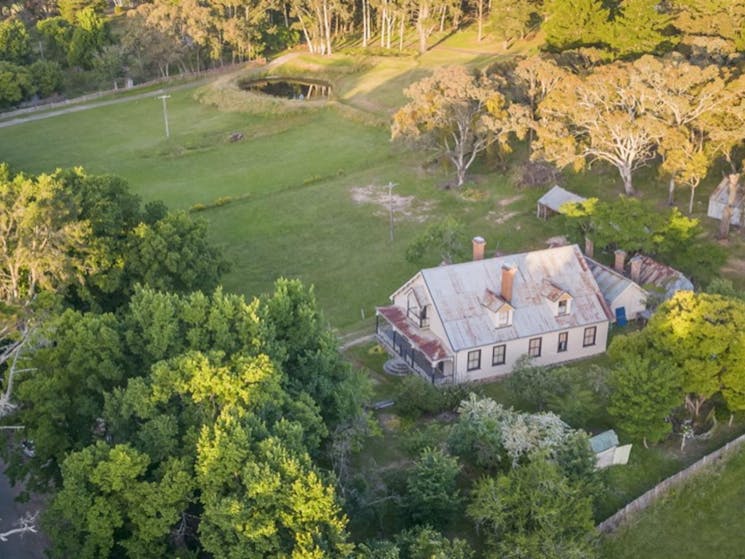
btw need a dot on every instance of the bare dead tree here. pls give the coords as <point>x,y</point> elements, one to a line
<point>9,357</point>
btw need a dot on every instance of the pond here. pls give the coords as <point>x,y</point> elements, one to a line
<point>288,88</point>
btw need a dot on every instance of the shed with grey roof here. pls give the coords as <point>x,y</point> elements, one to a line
<point>551,202</point>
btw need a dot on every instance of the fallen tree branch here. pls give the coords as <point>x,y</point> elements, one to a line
<point>27,523</point>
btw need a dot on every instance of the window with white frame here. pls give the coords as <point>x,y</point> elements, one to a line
<point>503,318</point>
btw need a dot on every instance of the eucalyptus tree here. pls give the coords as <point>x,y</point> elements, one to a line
<point>602,116</point>
<point>458,115</point>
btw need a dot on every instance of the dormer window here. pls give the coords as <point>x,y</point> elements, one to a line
<point>557,297</point>
<point>501,310</point>
<point>503,318</point>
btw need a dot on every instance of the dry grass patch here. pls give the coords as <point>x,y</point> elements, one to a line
<point>404,207</point>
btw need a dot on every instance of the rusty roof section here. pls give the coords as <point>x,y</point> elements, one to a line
<point>493,302</point>
<point>457,292</point>
<point>429,344</point>
<point>661,276</point>
<point>551,291</point>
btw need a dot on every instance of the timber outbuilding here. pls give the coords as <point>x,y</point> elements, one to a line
<point>550,203</point>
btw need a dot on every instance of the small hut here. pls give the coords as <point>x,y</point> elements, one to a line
<point>607,452</point>
<point>718,202</point>
<point>551,202</point>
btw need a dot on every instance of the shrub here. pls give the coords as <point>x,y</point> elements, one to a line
<point>16,84</point>
<point>46,77</point>
<point>415,396</point>
<point>532,385</point>
<point>432,495</point>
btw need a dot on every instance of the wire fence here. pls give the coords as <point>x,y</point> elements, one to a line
<point>639,504</point>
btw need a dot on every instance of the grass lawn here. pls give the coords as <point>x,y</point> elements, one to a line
<point>298,174</point>
<point>703,518</point>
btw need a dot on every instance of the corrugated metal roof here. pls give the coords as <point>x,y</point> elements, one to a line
<point>429,344</point>
<point>557,196</point>
<point>662,276</point>
<point>457,290</point>
<point>610,282</point>
<point>604,441</point>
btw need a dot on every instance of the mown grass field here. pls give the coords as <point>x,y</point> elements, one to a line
<point>295,173</point>
<point>703,518</point>
<point>297,170</point>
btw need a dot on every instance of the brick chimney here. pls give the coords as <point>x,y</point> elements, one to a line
<point>508,279</point>
<point>618,265</point>
<point>479,244</point>
<point>636,268</point>
<point>589,247</point>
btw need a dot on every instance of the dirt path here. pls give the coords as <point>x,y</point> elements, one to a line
<point>94,105</point>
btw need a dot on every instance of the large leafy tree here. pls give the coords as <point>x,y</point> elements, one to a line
<point>639,28</point>
<point>572,23</point>
<point>16,84</point>
<point>55,34</point>
<point>534,511</point>
<point>702,334</point>
<point>15,43</point>
<point>89,35</point>
<point>261,499</point>
<point>173,254</point>
<point>603,116</point>
<point>432,494</point>
<point>632,225</point>
<point>199,396</point>
<point>511,19</point>
<point>64,395</point>
<point>112,504</point>
<point>44,246</point>
<point>457,116</point>
<point>643,394</point>
<point>132,244</point>
<point>306,350</point>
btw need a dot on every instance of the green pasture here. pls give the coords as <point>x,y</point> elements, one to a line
<point>296,175</point>
<point>703,518</point>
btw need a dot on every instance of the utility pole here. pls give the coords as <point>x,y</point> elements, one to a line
<point>390,206</point>
<point>165,113</point>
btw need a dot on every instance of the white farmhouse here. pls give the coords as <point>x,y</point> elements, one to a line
<point>473,321</point>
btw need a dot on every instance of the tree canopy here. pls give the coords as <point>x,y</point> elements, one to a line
<point>458,115</point>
